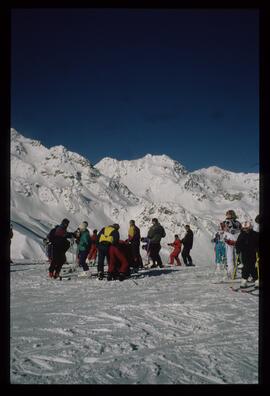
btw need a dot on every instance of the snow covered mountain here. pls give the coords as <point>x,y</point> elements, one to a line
<point>50,184</point>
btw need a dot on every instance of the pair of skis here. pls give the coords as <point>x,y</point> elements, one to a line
<point>251,289</point>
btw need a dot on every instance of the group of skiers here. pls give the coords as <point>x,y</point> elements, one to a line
<point>237,246</point>
<point>121,255</point>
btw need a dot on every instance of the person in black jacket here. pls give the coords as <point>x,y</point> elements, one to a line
<point>188,243</point>
<point>155,234</point>
<point>248,245</point>
<point>59,246</point>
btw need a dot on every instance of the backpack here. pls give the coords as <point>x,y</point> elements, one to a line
<point>51,235</point>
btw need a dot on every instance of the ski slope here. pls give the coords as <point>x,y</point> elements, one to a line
<point>162,326</point>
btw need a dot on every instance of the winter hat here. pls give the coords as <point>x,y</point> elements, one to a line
<point>82,226</point>
<point>65,222</point>
<point>231,214</point>
<point>247,225</point>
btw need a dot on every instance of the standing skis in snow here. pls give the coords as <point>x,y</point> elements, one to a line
<point>232,229</point>
<point>248,245</point>
<point>176,251</point>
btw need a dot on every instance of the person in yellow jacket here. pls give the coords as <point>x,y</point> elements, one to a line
<point>106,237</point>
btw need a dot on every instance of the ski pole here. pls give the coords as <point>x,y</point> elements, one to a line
<point>257,264</point>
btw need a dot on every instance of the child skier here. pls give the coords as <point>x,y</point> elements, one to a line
<point>176,251</point>
<point>248,245</point>
<point>220,252</point>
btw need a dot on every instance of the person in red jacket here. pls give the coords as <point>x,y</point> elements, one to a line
<point>92,255</point>
<point>176,251</point>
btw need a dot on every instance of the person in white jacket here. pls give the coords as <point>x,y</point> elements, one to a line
<point>232,228</point>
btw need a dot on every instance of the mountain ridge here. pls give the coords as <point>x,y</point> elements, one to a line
<point>50,184</point>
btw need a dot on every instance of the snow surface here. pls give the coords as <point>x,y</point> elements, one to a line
<point>162,326</point>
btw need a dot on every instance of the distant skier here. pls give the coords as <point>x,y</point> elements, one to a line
<point>177,244</point>
<point>188,244</point>
<point>58,238</point>
<point>134,239</point>
<point>247,244</point>
<point>84,247</point>
<point>232,229</point>
<point>155,234</point>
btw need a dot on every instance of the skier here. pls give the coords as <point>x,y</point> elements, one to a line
<point>92,255</point>
<point>220,252</point>
<point>118,267</point>
<point>83,247</point>
<point>107,237</point>
<point>232,229</point>
<point>134,239</point>
<point>188,243</point>
<point>176,251</point>
<point>247,244</point>
<point>155,233</point>
<point>77,235</point>
<point>58,238</point>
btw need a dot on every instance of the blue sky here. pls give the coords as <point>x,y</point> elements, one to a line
<point>123,83</point>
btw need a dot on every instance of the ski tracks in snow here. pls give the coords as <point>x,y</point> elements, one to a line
<point>172,327</point>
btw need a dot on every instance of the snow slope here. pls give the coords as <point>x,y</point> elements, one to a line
<point>163,326</point>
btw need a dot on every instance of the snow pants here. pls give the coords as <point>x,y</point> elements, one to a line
<point>186,256</point>
<point>230,256</point>
<point>117,257</point>
<point>82,257</point>
<point>154,249</point>
<point>220,252</point>
<point>174,256</point>
<point>92,255</point>
<point>249,268</point>
<point>59,255</point>
<point>137,259</point>
<point>103,252</point>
